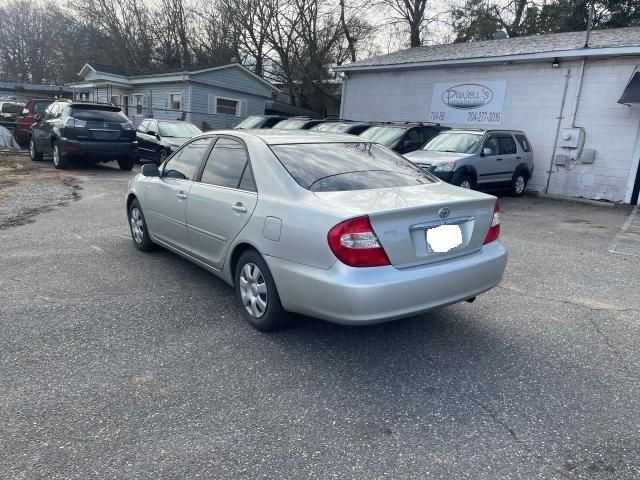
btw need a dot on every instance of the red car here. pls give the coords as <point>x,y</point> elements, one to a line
<point>33,107</point>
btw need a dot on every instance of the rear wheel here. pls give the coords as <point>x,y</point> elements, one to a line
<point>162,156</point>
<point>518,183</point>
<point>126,163</point>
<point>33,151</point>
<point>59,159</point>
<point>258,294</point>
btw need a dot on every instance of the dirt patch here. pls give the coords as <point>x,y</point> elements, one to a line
<point>27,189</point>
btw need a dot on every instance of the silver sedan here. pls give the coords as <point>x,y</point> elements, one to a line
<point>326,225</point>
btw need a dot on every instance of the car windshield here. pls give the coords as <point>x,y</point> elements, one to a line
<point>291,124</point>
<point>332,127</point>
<point>99,114</point>
<point>251,122</point>
<point>454,142</point>
<point>178,129</point>
<point>387,136</point>
<point>330,167</point>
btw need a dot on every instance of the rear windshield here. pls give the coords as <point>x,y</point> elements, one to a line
<point>331,167</point>
<point>40,107</point>
<point>387,136</point>
<point>291,124</point>
<point>251,122</point>
<point>12,108</point>
<point>332,127</point>
<point>100,114</point>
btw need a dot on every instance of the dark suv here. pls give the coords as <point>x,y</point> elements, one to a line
<point>92,132</point>
<point>402,137</point>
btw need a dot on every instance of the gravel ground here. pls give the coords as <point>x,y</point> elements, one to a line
<point>121,364</point>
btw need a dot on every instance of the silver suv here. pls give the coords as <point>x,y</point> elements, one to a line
<point>474,158</point>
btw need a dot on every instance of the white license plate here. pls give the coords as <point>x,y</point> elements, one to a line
<point>443,238</point>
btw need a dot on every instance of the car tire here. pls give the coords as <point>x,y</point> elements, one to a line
<point>462,180</point>
<point>60,161</point>
<point>138,227</point>
<point>519,183</point>
<point>257,293</point>
<point>126,163</point>
<point>33,151</point>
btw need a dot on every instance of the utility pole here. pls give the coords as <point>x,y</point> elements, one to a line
<point>591,7</point>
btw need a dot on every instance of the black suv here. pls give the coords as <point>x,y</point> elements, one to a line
<point>93,132</point>
<point>402,137</point>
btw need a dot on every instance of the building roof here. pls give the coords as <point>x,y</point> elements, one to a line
<point>570,44</point>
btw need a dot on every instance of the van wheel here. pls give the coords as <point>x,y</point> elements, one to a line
<point>33,151</point>
<point>60,161</point>
<point>518,184</point>
<point>258,294</point>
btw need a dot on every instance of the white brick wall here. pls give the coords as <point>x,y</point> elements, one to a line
<point>532,103</point>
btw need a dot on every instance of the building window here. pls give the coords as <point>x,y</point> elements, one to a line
<point>227,106</point>
<point>115,100</point>
<point>139,100</point>
<point>84,96</point>
<point>175,101</point>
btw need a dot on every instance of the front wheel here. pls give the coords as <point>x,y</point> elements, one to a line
<point>463,181</point>
<point>138,227</point>
<point>162,156</point>
<point>258,294</point>
<point>518,184</point>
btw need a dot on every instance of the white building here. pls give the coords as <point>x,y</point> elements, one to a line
<point>579,105</point>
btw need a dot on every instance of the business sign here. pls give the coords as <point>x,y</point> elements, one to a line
<point>469,103</point>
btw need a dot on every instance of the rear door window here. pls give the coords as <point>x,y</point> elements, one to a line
<point>506,145</point>
<point>326,167</point>
<point>226,164</point>
<point>524,143</point>
<point>415,137</point>
<point>185,162</point>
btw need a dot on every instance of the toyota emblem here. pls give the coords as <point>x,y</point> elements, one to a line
<point>444,212</point>
<point>106,125</point>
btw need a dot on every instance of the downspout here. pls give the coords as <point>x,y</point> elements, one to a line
<point>578,92</point>
<point>560,117</point>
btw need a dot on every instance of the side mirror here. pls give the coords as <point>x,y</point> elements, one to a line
<point>150,170</point>
<point>152,133</point>
<point>486,152</point>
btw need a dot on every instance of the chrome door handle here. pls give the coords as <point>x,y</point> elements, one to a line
<point>181,196</point>
<point>238,207</point>
<point>518,158</point>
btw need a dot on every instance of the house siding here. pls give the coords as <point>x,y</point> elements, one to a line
<point>254,105</point>
<point>532,103</point>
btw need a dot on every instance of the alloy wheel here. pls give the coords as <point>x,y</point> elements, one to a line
<point>56,155</point>
<point>253,290</point>
<point>520,184</point>
<point>135,217</point>
<point>32,150</point>
<point>465,184</point>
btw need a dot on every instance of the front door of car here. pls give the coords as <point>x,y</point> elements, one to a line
<point>221,202</point>
<point>43,128</point>
<point>490,163</point>
<point>167,195</point>
<point>510,157</point>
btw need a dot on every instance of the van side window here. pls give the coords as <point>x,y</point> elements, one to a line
<point>524,143</point>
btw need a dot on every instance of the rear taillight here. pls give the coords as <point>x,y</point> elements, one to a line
<point>71,122</point>
<point>354,243</point>
<point>494,229</point>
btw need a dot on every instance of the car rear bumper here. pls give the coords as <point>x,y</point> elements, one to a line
<point>96,150</point>
<point>360,296</point>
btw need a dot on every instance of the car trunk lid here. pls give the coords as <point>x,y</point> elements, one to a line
<point>403,217</point>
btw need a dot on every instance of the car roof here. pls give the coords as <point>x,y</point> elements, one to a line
<point>277,136</point>
<point>481,131</point>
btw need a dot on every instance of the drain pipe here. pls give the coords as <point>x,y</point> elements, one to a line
<point>560,117</point>
<point>578,92</point>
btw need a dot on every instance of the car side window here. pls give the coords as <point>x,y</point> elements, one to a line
<point>429,133</point>
<point>184,163</point>
<point>142,128</point>
<point>492,143</point>
<point>152,127</point>
<point>524,143</point>
<point>226,164</point>
<point>507,146</point>
<point>247,182</point>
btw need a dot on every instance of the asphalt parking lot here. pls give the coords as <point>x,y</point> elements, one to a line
<point>119,364</point>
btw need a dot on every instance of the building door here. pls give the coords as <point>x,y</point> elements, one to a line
<point>125,104</point>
